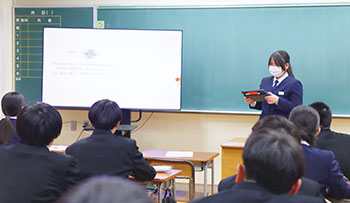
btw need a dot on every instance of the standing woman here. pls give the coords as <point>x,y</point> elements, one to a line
<point>284,91</point>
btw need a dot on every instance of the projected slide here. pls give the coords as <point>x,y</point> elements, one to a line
<point>139,69</point>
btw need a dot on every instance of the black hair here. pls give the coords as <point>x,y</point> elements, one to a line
<point>308,122</point>
<point>281,58</point>
<point>105,114</point>
<point>110,189</point>
<point>7,131</point>
<point>38,124</point>
<point>273,159</point>
<point>324,112</point>
<point>275,122</point>
<point>11,104</point>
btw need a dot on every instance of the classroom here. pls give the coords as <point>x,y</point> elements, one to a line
<point>203,130</point>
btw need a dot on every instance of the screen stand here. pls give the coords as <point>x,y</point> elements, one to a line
<point>125,128</point>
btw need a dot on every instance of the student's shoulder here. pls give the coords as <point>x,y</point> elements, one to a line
<point>342,136</point>
<point>266,79</point>
<point>64,158</point>
<point>295,198</point>
<point>322,154</point>
<point>126,140</point>
<point>293,81</point>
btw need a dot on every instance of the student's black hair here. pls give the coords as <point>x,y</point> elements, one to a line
<point>11,104</point>
<point>38,124</point>
<point>275,122</point>
<point>273,159</point>
<point>105,114</point>
<point>7,131</point>
<point>109,189</point>
<point>307,121</point>
<point>281,58</point>
<point>324,112</point>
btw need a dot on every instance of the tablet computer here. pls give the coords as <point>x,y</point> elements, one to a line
<point>256,95</point>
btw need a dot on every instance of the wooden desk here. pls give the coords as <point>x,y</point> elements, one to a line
<point>166,179</point>
<point>203,161</point>
<point>231,156</point>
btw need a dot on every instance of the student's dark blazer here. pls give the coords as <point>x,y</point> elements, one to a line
<point>106,154</point>
<point>249,192</point>
<point>16,139</point>
<point>324,169</point>
<point>308,187</point>
<point>34,174</point>
<point>339,144</point>
<point>290,93</point>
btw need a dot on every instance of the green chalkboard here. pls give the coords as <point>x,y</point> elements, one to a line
<point>226,50</point>
<point>28,42</point>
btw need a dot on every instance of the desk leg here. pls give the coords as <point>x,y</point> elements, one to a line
<point>159,192</point>
<point>173,190</point>
<point>205,178</point>
<point>212,177</point>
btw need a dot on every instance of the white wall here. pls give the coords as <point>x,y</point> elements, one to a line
<point>5,46</point>
<point>173,131</point>
<point>1,38</point>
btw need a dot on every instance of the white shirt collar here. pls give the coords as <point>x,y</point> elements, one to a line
<point>304,143</point>
<point>280,79</point>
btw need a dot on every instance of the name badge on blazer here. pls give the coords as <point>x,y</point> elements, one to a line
<point>280,93</point>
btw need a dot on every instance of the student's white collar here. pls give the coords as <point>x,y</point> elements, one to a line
<point>304,143</point>
<point>280,79</point>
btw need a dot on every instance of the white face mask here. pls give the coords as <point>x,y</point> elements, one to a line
<point>276,71</point>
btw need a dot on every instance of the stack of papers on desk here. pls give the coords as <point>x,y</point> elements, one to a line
<point>162,168</point>
<point>58,147</point>
<point>178,154</point>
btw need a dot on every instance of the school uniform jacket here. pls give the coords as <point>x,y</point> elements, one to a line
<point>290,93</point>
<point>248,192</point>
<point>308,187</point>
<point>106,154</point>
<point>34,174</point>
<point>339,144</point>
<point>324,169</point>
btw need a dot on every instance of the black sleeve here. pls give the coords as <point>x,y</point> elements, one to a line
<point>71,176</point>
<point>142,171</point>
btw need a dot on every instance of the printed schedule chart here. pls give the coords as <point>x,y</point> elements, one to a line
<point>29,42</point>
<point>29,24</point>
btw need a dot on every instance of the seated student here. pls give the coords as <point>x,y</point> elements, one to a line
<point>320,164</point>
<point>11,103</point>
<point>106,189</point>
<point>29,172</point>
<point>308,187</point>
<point>106,154</point>
<point>338,143</point>
<point>273,163</point>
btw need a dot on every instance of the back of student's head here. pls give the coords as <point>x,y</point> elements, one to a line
<point>38,124</point>
<point>106,189</point>
<point>324,112</point>
<point>11,104</point>
<point>274,159</point>
<point>307,121</point>
<point>275,122</point>
<point>105,114</point>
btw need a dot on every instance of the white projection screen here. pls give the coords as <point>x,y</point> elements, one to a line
<point>139,69</point>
